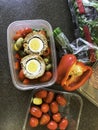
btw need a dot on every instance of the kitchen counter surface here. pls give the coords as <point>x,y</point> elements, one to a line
<point>13,102</point>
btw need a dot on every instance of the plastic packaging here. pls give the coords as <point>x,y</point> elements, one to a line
<point>85,19</point>
<point>81,49</point>
<point>62,40</point>
<point>72,111</point>
<point>34,24</point>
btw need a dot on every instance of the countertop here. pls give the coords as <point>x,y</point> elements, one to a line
<point>13,102</point>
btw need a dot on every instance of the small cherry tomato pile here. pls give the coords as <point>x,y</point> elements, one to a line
<point>45,110</point>
<point>19,53</point>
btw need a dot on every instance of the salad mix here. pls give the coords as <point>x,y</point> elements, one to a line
<point>85,19</point>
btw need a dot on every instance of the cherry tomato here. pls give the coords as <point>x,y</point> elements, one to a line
<point>49,97</point>
<point>36,111</point>
<point>17,65</point>
<point>16,36</point>
<point>61,100</point>
<point>41,94</point>
<point>33,122</point>
<point>54,107</point>
<point>52,125</point>
<point>63,124</point>
<point>43,32</point>
<point>46,77</point>
<point>21,75</point>
<point>44,107</point>
<point>26,81</point>
<point>45,118</point>
<point>57,117</point>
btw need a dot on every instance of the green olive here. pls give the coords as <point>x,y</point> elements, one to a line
<point>48,67</point>
<point>37,101</point>
<point>19,42</point>
<point>46,60</point>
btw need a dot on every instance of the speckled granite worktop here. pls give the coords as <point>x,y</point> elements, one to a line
<point>13,103</point>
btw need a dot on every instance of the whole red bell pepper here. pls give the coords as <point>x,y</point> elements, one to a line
<point>72,74</point>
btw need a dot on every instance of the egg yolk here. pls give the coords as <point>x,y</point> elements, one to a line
<point>35,44</point>
<point>33,66</point>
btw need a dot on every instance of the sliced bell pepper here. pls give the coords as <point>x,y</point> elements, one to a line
<point>72,74</point>
<point>63,66</point>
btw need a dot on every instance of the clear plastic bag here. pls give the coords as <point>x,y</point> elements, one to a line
<point>85,19</point>
<point>81,49</point>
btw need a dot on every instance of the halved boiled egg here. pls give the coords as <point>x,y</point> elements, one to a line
<point>35,43</point>
<point>33,66</point>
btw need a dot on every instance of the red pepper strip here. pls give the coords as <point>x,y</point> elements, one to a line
<point>63,66</point>
<point>76,77</point>
<point>80,6</point>
<point>88,38</point>
<point>71,73</point>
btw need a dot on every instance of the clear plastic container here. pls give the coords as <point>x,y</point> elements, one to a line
<point>34,24</point>
<point>72,111</point>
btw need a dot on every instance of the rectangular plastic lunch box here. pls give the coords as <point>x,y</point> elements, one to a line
<point>34,24</point>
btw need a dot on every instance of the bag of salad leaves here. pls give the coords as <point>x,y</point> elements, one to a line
<point>85,20</point>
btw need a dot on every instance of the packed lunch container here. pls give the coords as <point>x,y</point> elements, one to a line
<point>15,47</point>
<point>70,110</point>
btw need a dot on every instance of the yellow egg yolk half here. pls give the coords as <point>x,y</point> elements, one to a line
<point>33,67</point>
<point>36,44</point>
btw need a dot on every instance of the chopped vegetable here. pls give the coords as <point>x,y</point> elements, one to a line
<point>46,77</point>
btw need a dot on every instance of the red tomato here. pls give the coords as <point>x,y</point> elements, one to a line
<point>33,122</point>
<point>16,36</point>
<point>17,66</point>
<point>49,97</point>
<point>45,118</point>
<point>44,107</point>
<point>21,75</point>
<point>56,117</point>
<point>41,94</point>
<point>52,125</point>
<point>35,111</point>
<point>54,107</point>
<point>61,100</point>
<point>26,81</point>
<point>63,124</point>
